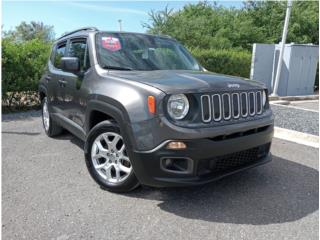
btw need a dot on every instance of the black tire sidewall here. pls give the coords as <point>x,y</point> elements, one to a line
<point>54,128</point>
<point>130,182</point>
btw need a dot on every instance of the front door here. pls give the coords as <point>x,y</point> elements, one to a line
<point>56,80</point>
<point>76,90</point>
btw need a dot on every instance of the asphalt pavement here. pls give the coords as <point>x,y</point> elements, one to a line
<point>47,193</point>
<point>312,105</point>
<point>298,116</point>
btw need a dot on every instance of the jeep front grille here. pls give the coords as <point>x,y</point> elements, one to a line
<point>226,106</point>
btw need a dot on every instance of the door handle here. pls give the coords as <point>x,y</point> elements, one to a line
<point>62,83</point>
<point>48,78</point>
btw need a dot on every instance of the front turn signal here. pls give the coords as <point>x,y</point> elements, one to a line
<point>152,104</point>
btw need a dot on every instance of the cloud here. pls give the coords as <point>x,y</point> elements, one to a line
<point>106,9</point>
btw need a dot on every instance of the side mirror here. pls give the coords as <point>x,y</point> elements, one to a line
<point>70,64</point>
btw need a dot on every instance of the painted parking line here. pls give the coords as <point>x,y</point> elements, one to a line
<point>305,101</point>
<point>297,137</point>
<point>295,107</point>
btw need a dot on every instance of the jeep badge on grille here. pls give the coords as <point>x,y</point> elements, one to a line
<point>233,85</point>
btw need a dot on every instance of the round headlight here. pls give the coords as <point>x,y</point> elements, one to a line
<point>264,98</point>
<point>178,106</point>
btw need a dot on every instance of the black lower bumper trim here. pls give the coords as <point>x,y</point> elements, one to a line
<point>176,182</point>
<point>204,160</point>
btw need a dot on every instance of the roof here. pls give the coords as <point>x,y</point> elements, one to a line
<point>84,29</point>
<point>94,29</point>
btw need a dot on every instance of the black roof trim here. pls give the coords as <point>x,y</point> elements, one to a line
<point>79,30</point>
<point>147,34</point>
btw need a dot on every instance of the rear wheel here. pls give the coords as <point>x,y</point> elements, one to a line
<point>107,159</point>
<point>50,127</point>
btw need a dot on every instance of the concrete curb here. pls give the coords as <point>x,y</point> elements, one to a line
<point>297,137</point>
<point>294,98</point>
<point>280,102</point>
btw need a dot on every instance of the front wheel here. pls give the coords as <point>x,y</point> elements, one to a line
<point>107,159</point>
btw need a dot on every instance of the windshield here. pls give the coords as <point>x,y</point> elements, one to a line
<point>129,51</point>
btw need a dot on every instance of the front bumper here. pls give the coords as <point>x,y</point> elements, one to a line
<point>204,160</point>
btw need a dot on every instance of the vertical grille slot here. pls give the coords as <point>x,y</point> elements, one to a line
<point>259,102</point>
<point>252,103</point>
<point>244,104</point>
<point>206,108</point>
<point>226,106</point>
<point>235,105</point>
<point>216,104</point>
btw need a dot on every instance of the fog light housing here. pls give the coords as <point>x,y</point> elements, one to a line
<point>176,145</point>
<point>168,163</point>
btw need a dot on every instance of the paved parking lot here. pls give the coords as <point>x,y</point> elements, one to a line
<point>312,105</point>
<point>47,193</point>
<point>302,116</point>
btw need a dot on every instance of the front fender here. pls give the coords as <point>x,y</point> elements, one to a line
<point>113,109</point>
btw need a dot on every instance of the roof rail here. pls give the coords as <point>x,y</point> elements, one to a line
<point>78,30</point>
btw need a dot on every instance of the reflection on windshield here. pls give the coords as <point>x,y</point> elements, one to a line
<point>132,51</point>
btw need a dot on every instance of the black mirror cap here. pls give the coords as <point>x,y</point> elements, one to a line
<point>70,64</point>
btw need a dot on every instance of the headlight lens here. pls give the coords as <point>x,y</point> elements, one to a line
<point>264,98</point>
<point>178,106</point>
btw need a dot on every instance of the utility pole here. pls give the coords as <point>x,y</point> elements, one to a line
<point>283,42</point>
<point>120,25</point>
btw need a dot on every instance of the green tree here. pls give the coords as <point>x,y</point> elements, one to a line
<point>269,17</point>
<point>158,20</point>
<point>206,25</point>
<point>29,31</point>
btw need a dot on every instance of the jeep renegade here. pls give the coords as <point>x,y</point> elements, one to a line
<point>149,113</point>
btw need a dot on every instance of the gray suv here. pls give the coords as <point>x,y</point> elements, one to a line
<point>149,113</point>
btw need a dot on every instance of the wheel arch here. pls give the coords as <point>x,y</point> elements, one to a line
<point>112,111</point>
<point>42,92</point>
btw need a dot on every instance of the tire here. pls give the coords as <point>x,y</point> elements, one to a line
<point>51,128</point>
<point>107,160</point>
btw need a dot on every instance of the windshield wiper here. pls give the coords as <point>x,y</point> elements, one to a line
<point>116,68</point>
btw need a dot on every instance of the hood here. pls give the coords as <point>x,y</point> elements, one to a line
<point>177,81</point>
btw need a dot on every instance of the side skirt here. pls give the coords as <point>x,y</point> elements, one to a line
<point>69,125</point>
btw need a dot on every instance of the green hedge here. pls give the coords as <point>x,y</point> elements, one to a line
<point>22,65</point>
<point>227,61</point>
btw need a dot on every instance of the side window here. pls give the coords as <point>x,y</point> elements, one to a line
<point>59,53</point>
<point>52,54</point>
<point>79,49</point>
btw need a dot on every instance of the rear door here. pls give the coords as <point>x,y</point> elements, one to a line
<point>56,78</point>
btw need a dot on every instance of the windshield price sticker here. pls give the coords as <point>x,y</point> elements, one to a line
<point>111,43</point>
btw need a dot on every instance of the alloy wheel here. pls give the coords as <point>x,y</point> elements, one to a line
<point>109,157</point>
<point>45,115</point>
